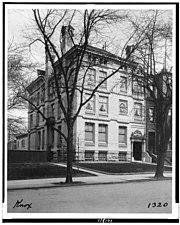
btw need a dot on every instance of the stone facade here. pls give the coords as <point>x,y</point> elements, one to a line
<point>120,120</point>
<point>110,127</point>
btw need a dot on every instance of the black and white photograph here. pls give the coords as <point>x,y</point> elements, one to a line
<point>89,111</point>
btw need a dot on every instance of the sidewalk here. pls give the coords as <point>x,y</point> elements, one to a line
<point>100,178</point>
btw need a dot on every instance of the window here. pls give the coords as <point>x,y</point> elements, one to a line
<point>151,90</point>
<point>37,114</point>
<point>151,142</point>
<point>59,111</point>
<point>90,106</point>
<point>122,135</point>
<point>123,107</point>
<point>137,89</point>
<point>51,90</point>
<point>59,138</point>
<point>31,120</point>
<point>42,93</point>
<point>138,110</point>
<point>123,84</point>
<point>102,76</point>
<point>102,156</point>
<point>89,155</point>
<point>91,76</point>
<point>52,110</point>
<point>43,139</point>
<point>30,105</point>
<point>23,143</point>
<point>89,58</point>
<point>103,133</point>
<point>169,148</point>
<point>103,104</point>
<point>89,132</point>
<point>151,114</point>
<point>101,60</point>
<point>43,113</point>
<point>39,140</point>
<point>38,98</point>
<point>94,58</point>
<point>170,112</point>
<point>122,156</point>
<point>139,69</point>
<point>52,137</point>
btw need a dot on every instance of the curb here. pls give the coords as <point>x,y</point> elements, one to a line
<point>56,185</point>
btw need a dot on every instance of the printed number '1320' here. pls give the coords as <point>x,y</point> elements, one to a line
<point>159,204</point>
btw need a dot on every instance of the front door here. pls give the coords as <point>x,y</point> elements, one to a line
<point>137,150</point>
<point>151,142</point>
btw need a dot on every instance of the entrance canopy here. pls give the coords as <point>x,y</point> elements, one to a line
<point>137,135</point>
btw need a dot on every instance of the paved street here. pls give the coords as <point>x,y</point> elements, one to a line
<point>133,197</point>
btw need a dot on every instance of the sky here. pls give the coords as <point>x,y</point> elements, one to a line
<point>19,19</point>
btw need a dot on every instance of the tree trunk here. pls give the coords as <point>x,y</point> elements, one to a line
<point>160,137</point>
<point>160,162</point>
<point>69,153</point>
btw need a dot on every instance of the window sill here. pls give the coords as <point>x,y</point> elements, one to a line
<point>90,112</point>
<point>89,144</point>
<point>123,114</point>
<point>103,114</point>
<point>139,119</point>
<point>89,159</point>
<point>124,92</point>
<point>91,83</point>
<point>123,145</point>
<point>102,159</point>
<point>103,144</point>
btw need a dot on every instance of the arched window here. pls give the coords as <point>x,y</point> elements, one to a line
<point>123,105</point>
<point>122,108</point>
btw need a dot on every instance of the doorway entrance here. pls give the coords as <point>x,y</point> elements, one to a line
<point>137,151</point>
<point>151,142</point>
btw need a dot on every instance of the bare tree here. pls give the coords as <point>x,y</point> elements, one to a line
<point>154,74</point>
<point>70,71</point>
<point>67,73</point>
<point>19,67</point>
<point>16,125</point>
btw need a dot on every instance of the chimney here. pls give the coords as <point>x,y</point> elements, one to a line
<point>67,35</point>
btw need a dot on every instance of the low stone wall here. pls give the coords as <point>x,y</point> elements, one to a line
<point>20,156</point>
